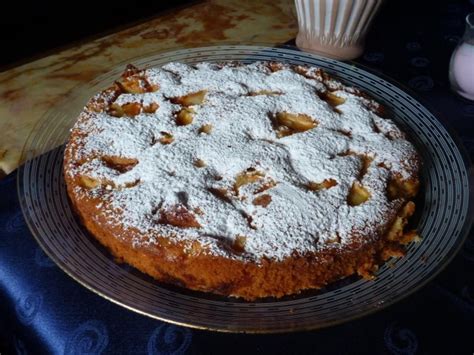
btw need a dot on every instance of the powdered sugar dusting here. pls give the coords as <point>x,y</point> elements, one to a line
<point>244,139</point>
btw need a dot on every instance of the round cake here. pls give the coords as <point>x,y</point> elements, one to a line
<point>245,180</point>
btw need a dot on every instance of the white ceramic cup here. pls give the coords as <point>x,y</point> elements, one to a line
<point>335,28</point>
<point>461,67</point>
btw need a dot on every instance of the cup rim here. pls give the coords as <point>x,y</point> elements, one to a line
<point>470,19</point>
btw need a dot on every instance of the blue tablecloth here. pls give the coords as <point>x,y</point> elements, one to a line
<point>44,311</point>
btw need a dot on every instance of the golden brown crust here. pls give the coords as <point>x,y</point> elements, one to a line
<point>169,263</point>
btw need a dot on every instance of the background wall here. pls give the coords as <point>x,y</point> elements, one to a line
<point>31,28</point>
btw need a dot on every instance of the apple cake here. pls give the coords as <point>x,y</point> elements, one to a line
<point>246,180</point>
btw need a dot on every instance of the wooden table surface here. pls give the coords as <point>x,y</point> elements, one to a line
<point>29,90</point>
